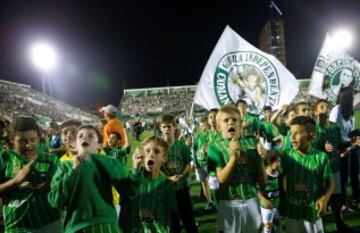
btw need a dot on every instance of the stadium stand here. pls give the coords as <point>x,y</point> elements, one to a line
<point>19,99</point>
<point>177,99</point>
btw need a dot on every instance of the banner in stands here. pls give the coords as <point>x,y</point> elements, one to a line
<point>334,69</point>
<point>238,70</point>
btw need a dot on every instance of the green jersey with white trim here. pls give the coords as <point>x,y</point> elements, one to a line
<point>147,203</point>
<point>178,157</point>
<point>306,180</point>
<point>117,153</point>
<point>27,209</point>
<point>242,183</point>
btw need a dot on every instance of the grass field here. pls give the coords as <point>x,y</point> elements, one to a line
<point>207,220</point>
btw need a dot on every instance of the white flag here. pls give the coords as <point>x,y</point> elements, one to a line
<point>333,69</point>
<point>238,70</point>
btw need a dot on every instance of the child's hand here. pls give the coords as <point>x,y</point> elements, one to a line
<point>78,160</point>
<point>138,157</point>
<point>25,185</point>
<point>356,141</point>
<point>21,175</point>
<point>261,150</point>
<point>234,146</point>
<point>203,150</point>
<point>174,178</point>
<point>328,147</point>
<point>266,203</point>
<point>321,205</point>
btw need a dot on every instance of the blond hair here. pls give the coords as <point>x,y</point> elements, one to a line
<point>228,109</point>
<point>159,141</point>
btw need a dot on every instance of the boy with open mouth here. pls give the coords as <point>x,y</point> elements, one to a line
<point>239,170</point>
<point>82,186</point>
<point>25,175</point>
<point>149,200</point>
<point>176,168</point>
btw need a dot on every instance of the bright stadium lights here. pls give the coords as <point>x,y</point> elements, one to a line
<point>342,38</point>
<point>43,56</point>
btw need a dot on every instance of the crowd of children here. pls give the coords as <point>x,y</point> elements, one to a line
<point>278,173</point>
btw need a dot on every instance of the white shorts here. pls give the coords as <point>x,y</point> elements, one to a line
<point>302,226</point>
<point>239,216</point>
<point>201,173</point>
<point>268,215</point>
<point>213,182</point>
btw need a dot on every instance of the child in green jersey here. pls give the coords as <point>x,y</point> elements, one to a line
<point>176,168</point>
<point>213,135</point>
<point>302,108</point>
<point>328,139</point>
<point>307,179</point>
<point>68,131</point>
<point>25,175</point>
<point>201,161</point>
<point>239,170</point>
<point>114,148</point>
<point>149,201</point>
<point>82,186</point>
<point>269,133</point>
<point>269,194</point>
<point>250,124</point>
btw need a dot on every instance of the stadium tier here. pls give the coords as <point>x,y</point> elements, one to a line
<point>19,99</point>
<point>176,99</point>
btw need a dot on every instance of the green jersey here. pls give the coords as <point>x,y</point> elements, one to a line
<point>26,209</point>
<point>271,189</point>
<point>251,129</point>
<point>117,153</point>
<point>268,130</point>
<point>306,180</point>
<point>85,193</point>
<point>213,138</point>
<point>283,129</point>
<point>178,158</point>
<point>331,133</point>
<point>147,204</point>
<point>200,141</point>
<point>287,141</point>
<point>242,183</point>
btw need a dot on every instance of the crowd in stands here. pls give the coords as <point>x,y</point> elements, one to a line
<point>18,99</point>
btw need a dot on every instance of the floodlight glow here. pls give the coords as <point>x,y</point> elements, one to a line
<point>342,38</point>
<point>43,56</point>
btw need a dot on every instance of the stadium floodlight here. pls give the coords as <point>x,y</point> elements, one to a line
<point>342,38</point>
<point>43,56</point>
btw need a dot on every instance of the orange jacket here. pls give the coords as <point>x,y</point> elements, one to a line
<point>114,125</point>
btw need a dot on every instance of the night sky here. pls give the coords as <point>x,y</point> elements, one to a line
<point>107,46</point>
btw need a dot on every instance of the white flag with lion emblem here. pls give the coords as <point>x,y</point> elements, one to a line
<point>237,70</point>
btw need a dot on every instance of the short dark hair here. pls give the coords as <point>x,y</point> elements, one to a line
<point>98,134</point>
<point>54,125</point>
<point>298,104</point>
<point>318,102</point>
<point>267,108</point>
<point>117,134</point>
<point>204,120</point>
<point>240,101</point>
<point>23,124</point>
<point>167,119</point>
<point>216,110</point>
<point>308,122</point>
<point>70,122</point>
<point>270,157</point>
